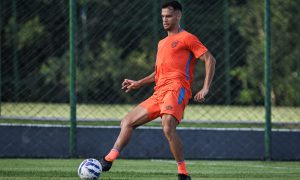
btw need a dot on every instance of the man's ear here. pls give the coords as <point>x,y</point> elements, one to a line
<point>179,14</point>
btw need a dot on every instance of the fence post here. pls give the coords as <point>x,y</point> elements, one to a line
<point>227,52</point>
<point>267,78</point>
<point>72,71</point>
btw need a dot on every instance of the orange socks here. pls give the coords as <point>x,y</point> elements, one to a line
<point>112,155</point>
<point>182,168</point>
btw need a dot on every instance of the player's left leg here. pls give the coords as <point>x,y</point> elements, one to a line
<point>169,123</point>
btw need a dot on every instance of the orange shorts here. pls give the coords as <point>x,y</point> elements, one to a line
<point>170,102</point>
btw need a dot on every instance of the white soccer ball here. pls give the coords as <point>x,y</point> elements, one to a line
<point>90,169</point>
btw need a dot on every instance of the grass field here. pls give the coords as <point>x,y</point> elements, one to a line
<point>64,169</point>
<point>193,112</point>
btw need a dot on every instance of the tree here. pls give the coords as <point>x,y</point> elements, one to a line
<point>248,18</point>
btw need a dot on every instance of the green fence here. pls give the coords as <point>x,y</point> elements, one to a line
<point>118,39</point>
<point>63,60</point>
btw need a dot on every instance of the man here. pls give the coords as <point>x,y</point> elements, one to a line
<point>173,76</point>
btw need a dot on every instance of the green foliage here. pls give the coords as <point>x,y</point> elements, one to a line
<point>100,71</point>
<point>53,70</point>
<point>117,40</point>
<point>248,18</point>
<point>30,32</point>
<point>105,69</point>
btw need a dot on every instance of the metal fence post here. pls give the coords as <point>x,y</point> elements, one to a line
<point>72,71</point>
<point>267,78</point>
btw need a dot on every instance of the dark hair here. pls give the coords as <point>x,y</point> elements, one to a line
<point>174,4</point>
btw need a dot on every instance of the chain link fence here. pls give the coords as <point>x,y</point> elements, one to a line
<point>118,39</point>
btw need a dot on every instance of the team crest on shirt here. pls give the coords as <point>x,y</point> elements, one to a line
<point>174,44</point>
<point>169,107</point>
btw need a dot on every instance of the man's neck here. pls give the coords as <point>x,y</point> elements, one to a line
<point>175,30</point>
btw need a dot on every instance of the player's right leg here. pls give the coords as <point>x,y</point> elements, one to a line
<point>138,116</point>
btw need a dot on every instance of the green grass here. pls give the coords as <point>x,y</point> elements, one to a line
<point>193,112</point>
<point>64,169</point>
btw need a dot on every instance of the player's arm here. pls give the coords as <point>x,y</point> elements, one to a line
<point>210,63</point>
<point>129,84</point>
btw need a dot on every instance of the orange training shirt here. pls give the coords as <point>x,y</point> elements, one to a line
<point>175,61</point>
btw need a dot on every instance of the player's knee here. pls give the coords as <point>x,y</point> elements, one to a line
<point>169,132</point>
<point>127,123</point>
<point>169,127</point>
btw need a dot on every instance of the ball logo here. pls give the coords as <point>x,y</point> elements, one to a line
<point>174,44</point>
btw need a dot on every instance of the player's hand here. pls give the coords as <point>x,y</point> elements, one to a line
<point>200,96</point>
<point>129,85</point>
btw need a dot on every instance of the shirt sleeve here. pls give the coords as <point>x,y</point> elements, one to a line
<point>195,46</point>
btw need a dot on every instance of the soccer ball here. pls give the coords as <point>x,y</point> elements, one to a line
<point>90,169</point>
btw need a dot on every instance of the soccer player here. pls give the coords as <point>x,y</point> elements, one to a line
<point>173,76</point>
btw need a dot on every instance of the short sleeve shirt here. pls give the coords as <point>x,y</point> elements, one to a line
<point>175,61</point>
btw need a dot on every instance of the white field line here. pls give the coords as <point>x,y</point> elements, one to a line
<point>169,161</point>
<point>214,164</point>
<point>179,128</point>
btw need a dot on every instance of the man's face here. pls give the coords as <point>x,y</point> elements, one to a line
<point>170,18</point>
